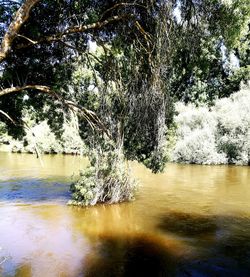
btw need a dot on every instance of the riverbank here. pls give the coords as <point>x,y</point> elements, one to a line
<point>39,138</point>
<point>219,134</point>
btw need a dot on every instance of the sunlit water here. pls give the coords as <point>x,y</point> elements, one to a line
<point>189,221</point>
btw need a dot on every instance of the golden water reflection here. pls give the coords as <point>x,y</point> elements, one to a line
<point>189,220</point>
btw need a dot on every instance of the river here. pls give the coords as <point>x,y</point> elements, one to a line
<point>190,220</point>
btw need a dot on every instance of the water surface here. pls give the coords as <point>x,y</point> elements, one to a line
<point>189,221</point>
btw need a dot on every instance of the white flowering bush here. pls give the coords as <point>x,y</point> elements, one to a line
<point>199,148</point>
<point>191,118</point>
<point>41,137</point>
<point>218,135</point>
<point>233,127</point>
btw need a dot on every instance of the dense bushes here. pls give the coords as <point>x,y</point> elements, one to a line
<point>233,117</point>
<point>41,138</point>
<point>3,133</point>
<point>216,135</point>
<point>203,135</point>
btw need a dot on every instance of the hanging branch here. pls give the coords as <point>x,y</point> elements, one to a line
<point>21,17</point>
<point>118,5</point>
<point>26,126</point>
<point>91,117</point>
<point>73,30</point>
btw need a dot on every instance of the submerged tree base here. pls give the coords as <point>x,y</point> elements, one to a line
<point>107,181</point>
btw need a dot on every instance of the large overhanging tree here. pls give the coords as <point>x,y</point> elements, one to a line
<point>42,39</point>
<point>44,42</point>
<point>147,58</point>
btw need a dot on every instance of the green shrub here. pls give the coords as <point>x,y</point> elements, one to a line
<point>4,138</point>
<point>198,148</point>
<point>71,141</point>
<point>107,180</point>
<point>40,137</point>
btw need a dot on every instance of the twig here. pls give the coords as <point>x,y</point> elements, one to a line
<point>4,260</point>
<point>38,154</point>
<point>30,40</point>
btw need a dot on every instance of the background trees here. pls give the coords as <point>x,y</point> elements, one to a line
<point>211,45</point>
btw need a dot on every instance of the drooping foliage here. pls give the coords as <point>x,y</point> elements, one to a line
<point>150,53</point>
<point>130,71</point>
<point>107,180</point>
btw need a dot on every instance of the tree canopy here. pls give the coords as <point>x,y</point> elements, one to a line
<point>149,54</point>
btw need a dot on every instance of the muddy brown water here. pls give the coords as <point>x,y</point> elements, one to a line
<point>189,221</point>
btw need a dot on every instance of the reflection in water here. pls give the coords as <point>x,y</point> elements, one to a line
<point>224,242</point>
<point>189,221</point>
<point>40,240</point>
<point>55,167</point>
<point>188,224</point>
<point>141,255</point>
<point>34,190</point>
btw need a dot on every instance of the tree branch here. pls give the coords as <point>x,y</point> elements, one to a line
<point>73,30</point>
<point>18,89</point>
<point>22,16</point>
<point>91,117</point>
<point>30,40</point>
<point>8,117</point>
<point>19,19</point>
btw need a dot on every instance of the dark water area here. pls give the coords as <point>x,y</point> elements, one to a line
<point>189,221</point>
<point>33,190</point>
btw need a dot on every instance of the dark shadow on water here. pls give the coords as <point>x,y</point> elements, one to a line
<point>146,257</point>
<point>130,256</point>
<point>188,224</point>
<point>223,250</point>
<point>34,190</point>
<point>221,247</point>
<point>223,242</point>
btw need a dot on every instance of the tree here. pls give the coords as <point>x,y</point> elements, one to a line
<point>146,60</point>
<point>207,34</point>
<point>51,40</point>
